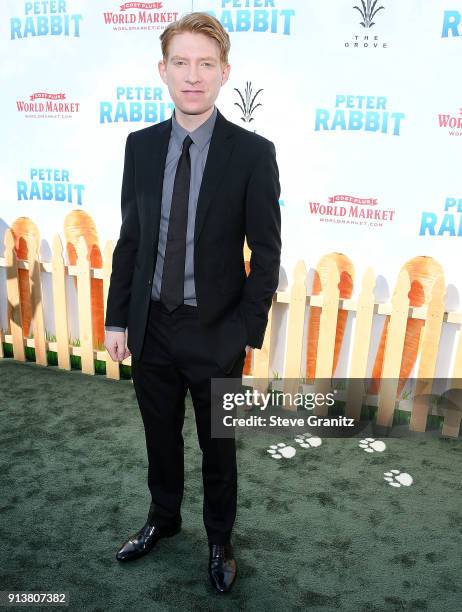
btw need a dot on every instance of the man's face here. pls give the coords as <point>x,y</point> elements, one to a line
<point>193,72</point>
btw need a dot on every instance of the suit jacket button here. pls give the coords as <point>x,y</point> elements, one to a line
<point>149,282</point>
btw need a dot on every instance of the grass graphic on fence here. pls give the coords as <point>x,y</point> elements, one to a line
<point>52,356</point>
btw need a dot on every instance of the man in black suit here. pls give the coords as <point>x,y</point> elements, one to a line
<point>179,301</point>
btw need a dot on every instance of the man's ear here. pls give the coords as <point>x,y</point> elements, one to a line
<point>161,68</point>
<point>225,73</point>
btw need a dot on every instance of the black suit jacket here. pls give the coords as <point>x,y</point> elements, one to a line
<point>238,197</point>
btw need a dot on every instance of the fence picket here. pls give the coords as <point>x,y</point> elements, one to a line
<point>58,272</point>
<point>14,303</point>
<point>361,344</point>
<point>394,346</point>
<point>261,357</point>
<point>84,307</point>
<point>295,324</point>
<point>327,331</point>
<point>112,367</point>
<point>429,344</point>
<point>453,417</point>
<point>35,282</point>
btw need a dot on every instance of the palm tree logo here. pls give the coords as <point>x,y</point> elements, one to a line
<point>368,12</point>
<point>248,102</point>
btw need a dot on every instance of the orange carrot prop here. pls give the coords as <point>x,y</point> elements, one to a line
<point>78,223</point>
<point>22,228</point>
<point>422,272</point>
<point>346,272</point>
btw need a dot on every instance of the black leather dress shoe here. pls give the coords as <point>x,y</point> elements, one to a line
<point>222,566</point>
<point>144,540</point>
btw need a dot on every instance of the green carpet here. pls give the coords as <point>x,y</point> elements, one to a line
<point>321,530</point>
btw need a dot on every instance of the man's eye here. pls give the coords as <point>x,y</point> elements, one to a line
<point>178,62</point>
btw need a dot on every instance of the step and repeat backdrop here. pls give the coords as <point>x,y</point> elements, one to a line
<point>361,98</point>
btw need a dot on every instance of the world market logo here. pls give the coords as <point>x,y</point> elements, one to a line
<point>247,102</point>
<point>359,113</point>
<point>368,11</point>
<point>452,123</point>
<point>257,16</point>
<point>135,104</point>
<point>448,223</point>
<point>50,184</point>
<point>45,18</point>
<point>452,24</point>
<point>42,105</point>
<point>350,210</point>
<point>140,16</point>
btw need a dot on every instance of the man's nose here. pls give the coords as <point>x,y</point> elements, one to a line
<point>193,74</point>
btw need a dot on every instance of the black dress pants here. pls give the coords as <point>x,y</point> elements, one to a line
<point>175,358</point>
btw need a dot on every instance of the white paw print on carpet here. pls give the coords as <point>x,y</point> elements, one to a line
<point>395,478</point>
<point>370,445</point>
<point>281,451</point>
<point>306,440</point>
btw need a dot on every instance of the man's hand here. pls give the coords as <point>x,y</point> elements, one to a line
<point>116,345</point>
<point>247,349</point>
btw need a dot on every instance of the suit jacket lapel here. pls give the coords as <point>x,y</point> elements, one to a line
<point>220,147</point>
<point>156,159</point>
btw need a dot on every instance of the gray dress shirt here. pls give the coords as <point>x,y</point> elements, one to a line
<point>198,152</point>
